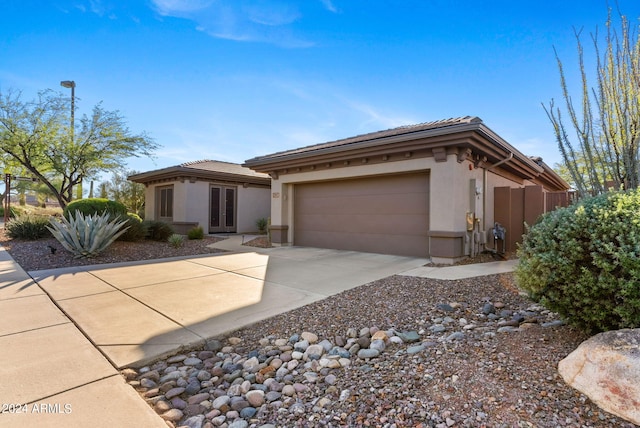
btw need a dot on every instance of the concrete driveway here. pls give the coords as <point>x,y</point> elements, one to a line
<point>136,312</point>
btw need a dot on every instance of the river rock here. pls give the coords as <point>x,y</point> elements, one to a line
<point>368,353</point>
<point>488,308</point>
<point>378,344</point>
<point>194,421</point>
<point>255,398</point>
<point>313,352</point>
<point>309,337</point>
<point>379,335</point>
<point>173,415</point>
<point>192,361</point>
<point>221,402</point>
<point>174,392</point>
<point>606,368</point>
<point>408,336</point>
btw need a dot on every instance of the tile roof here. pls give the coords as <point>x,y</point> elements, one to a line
<point>401,130</point>
<point>202,168</point>
<point>222,167</point>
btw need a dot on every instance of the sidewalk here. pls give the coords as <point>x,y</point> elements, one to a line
<point>63,338</point>
<point>463,271</point>
<point>51,375</point>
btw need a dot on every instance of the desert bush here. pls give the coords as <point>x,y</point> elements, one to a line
<point>584,262</point>
<point>261,224</point>
<point>86,236</point>
<point>136,230</point>
<point>12,212</point>
<point>195,233</point>
<point>28,226</point>
<point>158,230</point>
<point>176,240</point>
<point>90,206</point>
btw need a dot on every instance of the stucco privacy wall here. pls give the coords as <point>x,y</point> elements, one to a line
<point>191,203</point>
<point>253,204</point>
<point>495,180</point>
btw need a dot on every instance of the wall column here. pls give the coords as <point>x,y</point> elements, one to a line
<point>449,203</point>
<point>279,229</point>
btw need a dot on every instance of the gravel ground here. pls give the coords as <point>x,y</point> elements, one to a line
<point>38,255</point>
<point>485,376</point>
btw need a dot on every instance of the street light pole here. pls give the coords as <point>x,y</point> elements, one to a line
<point>72,85</point>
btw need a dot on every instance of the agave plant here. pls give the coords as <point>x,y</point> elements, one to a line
<point>176,240</point>
<point>87,236</point>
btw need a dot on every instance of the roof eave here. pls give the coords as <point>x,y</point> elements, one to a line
<point>260,161</point>
<point>178,172</point>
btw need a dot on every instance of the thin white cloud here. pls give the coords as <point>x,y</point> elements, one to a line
<point>179,7</point>
<point>374,118</point>
<point>328,4</point>
<point>97,7</point>
<point>282,14</point>
<point>332,106</point>
<point>264,21</point>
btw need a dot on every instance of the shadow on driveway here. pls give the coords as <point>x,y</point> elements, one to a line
<point>136,313</point>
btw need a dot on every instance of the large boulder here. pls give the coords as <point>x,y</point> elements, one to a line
<point>606,368</point>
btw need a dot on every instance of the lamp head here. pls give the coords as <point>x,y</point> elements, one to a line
<point>68,84</point>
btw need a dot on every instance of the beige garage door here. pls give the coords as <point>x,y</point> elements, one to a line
<point>386,214</point>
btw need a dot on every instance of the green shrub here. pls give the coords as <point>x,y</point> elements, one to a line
<point>584,262</point>
<point>90,206</point>
<point>195,233</point>
<point>136,231</point>
<point>12,212</point>
<point>87,236</point>
<point>261,223</point>
<point>158,230</point>
<point>28,227</point>
<point>176,240</point>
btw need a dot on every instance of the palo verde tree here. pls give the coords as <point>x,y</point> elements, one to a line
<point>606,145</point>
<point>36,134</point>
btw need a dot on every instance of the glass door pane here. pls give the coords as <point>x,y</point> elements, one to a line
<point>230,207</point>
<point>215,208</point>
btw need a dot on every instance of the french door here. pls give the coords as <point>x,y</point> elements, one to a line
<point>222,209</point>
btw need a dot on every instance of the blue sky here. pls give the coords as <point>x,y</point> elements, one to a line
<point>233,79</point>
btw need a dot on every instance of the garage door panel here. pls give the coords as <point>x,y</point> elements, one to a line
<point>364,204</point>
<point>374,186</point>
<point>413,246</point>
<point>360,223</point>
<point>385,214</point>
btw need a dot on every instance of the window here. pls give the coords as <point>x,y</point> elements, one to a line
<point>165,203</point>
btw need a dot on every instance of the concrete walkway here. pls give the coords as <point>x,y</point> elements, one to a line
<point>51,375</point>
<point>64,335</point>
<point>463,271</point>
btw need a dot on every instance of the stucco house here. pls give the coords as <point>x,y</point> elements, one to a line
<point>429,190</point>
<point>219,196</point>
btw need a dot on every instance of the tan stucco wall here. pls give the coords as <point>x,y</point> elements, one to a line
<point>149,202</point>
<point>449,189</point>
<point>253,203</point>
<point>451,194</point>
<point>191,204</point>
